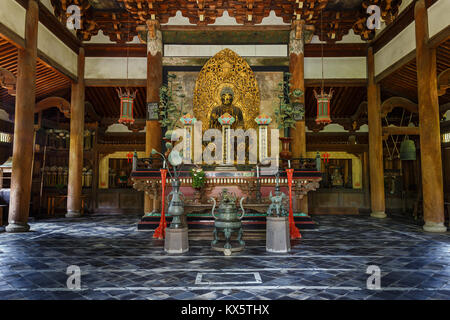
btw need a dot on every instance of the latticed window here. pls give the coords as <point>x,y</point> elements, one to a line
<point>446,137</point>
<point>6,137</point>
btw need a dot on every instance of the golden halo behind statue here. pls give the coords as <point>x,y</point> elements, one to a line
<point>226,69</point>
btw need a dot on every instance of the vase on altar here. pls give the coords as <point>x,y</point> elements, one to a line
<point>176,208</point>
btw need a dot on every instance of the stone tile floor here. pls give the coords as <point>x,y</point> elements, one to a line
<point>118,262</point>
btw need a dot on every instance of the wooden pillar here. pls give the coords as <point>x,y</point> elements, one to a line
<point>298,37</point>
<point>153,134</point>
<point>74,188</point>
<point>24,125</point>
<point>375,141</point>
<point>430,144</point>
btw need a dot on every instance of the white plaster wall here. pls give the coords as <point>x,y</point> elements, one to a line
<point>438,17</point>
<point>402,7</point>
<point>333,127</point>
<point>363,128</point>
<point>48,5</point>
<point>397,48</point>
<point>336,68</point>
<point>178,50</point>
<point>54,48</point>
<point>12,15</point>
<point>115,68</point>
<point>405,41</point>
<point>4,115</point>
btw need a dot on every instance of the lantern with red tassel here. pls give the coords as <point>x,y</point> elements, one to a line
<point>323,106</point>
<point>126,105</point>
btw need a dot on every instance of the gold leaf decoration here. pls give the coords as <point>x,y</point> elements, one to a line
<point>226,69</point>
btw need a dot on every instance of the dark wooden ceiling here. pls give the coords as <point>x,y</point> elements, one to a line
<point>403,82</point>
<point>48,80</point>
<point>344,103</point>
<point>118,19</point>
<point>107,104</point>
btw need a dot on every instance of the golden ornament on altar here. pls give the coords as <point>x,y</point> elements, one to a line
<point>224,72</point>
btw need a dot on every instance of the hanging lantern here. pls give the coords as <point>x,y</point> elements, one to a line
<point>126,105</point>
<point>407,150</point>
<point>323,106</point>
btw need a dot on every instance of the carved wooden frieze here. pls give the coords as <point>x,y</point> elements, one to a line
<point>119,22</point>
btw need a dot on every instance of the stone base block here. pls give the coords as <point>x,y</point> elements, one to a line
<point>73,214</point>
<point>378,214</point>
<point>16,227</point>
<point>434,227</point>
<point>176,240</point>
<point>277,234</point>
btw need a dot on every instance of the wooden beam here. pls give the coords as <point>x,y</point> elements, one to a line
<point>336,82</point>
<point>394,130</point>
<point>140,50</point>
<point>255,28</point>
<point>115,82</point>
<point>336,50</point>
<point>115,50</point>
<point>351,148</point>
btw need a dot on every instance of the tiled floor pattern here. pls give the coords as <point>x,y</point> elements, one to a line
<point>117,262</point>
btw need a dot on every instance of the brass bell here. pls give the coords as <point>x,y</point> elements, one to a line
<point>407,150</point>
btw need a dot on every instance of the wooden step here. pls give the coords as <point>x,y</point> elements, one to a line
<point>207,234</point>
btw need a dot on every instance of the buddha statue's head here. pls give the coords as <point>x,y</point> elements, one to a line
<point>227,96</point>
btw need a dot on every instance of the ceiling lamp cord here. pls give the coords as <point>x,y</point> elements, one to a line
<point>321,46</point>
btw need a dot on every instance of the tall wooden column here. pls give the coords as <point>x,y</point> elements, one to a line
<point>24,125</point>
<point>154,82</point>
<point>375,141</point>
<point>430,144</point>
<point>300,34</point>
<point>74,188</point>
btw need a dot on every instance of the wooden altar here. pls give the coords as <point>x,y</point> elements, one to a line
<point>246,183</point>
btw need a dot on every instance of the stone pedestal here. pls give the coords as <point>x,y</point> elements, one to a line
<point>277,234</point>
<point>176,240</point>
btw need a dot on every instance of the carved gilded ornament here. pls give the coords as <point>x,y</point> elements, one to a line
<point>226,69</point>
<point>299,35</point>
<point>295,45</point>
<point>154,45</point>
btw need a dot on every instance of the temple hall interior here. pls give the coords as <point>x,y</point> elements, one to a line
<point>224,149</point>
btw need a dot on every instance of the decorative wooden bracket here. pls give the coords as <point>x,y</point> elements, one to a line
<point>8,81</point>
<point>62,104</point>
<point>401,102</point>
<point>443,81</point>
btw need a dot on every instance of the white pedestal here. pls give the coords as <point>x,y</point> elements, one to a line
<point>277,234</point>
<point>176,240</point>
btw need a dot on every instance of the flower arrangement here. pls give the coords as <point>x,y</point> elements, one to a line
<point>198,178</point>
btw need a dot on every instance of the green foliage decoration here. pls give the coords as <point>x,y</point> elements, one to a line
<point>287,109</point>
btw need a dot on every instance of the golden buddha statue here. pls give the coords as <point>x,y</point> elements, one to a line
<point>226,96</point>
